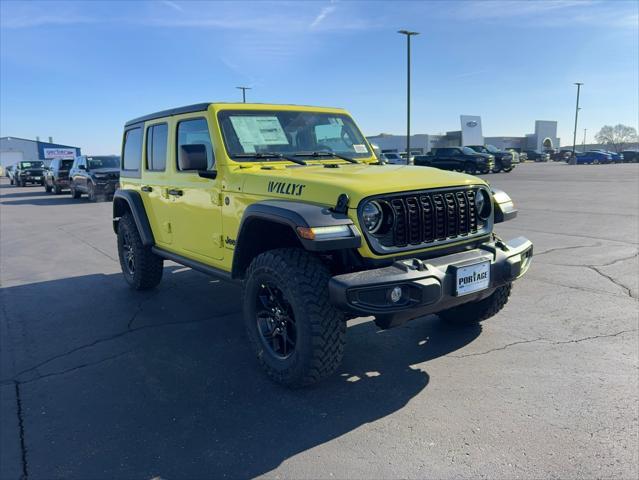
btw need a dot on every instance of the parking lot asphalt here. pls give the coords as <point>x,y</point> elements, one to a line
<point>98,381</point>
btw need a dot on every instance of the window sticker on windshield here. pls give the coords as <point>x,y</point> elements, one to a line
<point>360,148</point>
<point>254,130</point>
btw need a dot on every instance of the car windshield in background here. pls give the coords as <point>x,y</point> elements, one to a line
<point>66,164</point>
<point>103,162</point>
<point>31,164</point>
<point>468,151</point>
<point>249,134</point>
<point>492,149</point>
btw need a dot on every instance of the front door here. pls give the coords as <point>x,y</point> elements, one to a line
<point>196,209</point>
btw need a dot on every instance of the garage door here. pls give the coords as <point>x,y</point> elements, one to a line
<point>10,158</point>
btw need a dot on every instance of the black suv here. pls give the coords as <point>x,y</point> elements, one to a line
<point>462,159</point>
<point>56,177</point>
<point>95,176</point>
<point>29,172</point>
<point>503,160</point>
<point>537,156</point>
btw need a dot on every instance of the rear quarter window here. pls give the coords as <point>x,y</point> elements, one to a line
<point>132,150</point>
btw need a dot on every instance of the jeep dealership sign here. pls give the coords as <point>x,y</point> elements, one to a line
<point>52,153</point>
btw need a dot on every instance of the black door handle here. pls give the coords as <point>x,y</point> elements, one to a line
<point>146,188</point>
<point>177,193</point>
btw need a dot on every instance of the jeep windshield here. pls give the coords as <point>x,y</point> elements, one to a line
<point>103,162</point>
<point>251,135</point>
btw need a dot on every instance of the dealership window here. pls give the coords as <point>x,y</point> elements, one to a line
<point>156,140</point>
<point>193,132</point>
<point>132,150</point>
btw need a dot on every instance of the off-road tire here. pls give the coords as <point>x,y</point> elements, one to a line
<point>508,170</point>
<point>470,168</point>
<point>148,267</point>
<point>74,192</point>
<point>47,187</point>
<point>476,312</point>
<point>321,328</point>
<point>11,181</point>
<point>56,189</point>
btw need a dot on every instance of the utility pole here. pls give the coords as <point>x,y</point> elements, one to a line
<point>573,159</point>
<point>584,146</point>
<point>408,35</point>
<point>244,89</point>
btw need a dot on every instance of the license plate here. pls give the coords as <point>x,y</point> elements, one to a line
<point>473,278</point>
<point>37,178</point>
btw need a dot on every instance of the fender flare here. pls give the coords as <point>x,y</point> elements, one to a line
<point>293,215</point>
<point>133,200</point>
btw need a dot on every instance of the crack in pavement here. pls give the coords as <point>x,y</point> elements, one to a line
<point>16,377</point>
<point>76,367</point>
<point>23,448</point>
<point>628,290</point>
<point>539,254</point>
<point>544,340</point>
<point>87,243</point>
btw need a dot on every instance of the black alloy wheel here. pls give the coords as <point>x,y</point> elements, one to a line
<point>275,321</point>
<point>128,251</point>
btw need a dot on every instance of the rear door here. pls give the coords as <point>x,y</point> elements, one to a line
<point>196,211</point>
<point>155,183</point>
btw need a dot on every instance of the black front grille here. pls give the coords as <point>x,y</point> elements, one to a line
<point>422,217</point>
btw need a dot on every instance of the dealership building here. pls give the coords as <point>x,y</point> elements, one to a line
<point>14,150</point>
<point>470,133</point>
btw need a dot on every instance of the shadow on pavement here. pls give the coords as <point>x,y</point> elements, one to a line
<point>134,385</point>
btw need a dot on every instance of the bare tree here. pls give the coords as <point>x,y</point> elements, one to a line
<point>618,136</point>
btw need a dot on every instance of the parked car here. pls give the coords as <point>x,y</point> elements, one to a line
<point>309,246</point>
<point>96,176</point>
<point>394,158</point>
<point>562,155</point>
<point>630,156</point>
<point>461,159</point>
<point>523,156</point>
<point>56,177</point>
<point>503,160</point>
<point>28,172</point>
<point>593,156</point>
<point>10,172</point>
<point>537,156</point>
<point>614,156</point>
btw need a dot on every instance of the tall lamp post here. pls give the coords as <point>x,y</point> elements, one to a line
<point>408,35</point>
<point>584,147</point>
<point>244,89</point>
<point>573,159</point>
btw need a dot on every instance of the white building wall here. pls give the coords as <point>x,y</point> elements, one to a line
<point>9,147</point>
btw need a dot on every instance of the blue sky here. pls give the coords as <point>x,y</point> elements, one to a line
<point>78,70</point>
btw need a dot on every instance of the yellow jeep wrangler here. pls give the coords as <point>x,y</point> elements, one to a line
<point>291,202</point>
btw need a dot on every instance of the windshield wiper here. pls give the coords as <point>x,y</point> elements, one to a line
<point>264,155</point>
<point>324,153</point>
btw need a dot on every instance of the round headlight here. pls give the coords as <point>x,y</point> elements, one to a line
<point>372,216</point>
<point>482,204</point>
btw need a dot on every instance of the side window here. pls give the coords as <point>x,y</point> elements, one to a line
<point>156,141</point>
<point>194,132</point>
<point>132,151</point>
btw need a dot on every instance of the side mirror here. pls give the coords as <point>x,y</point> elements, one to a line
<point>193,157</point>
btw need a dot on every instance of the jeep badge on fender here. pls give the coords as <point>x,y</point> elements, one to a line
<point>292,203</point>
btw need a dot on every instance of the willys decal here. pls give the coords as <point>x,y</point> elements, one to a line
<point>286,188</point>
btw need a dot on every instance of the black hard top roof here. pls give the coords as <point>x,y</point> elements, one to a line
<point>198,107</point>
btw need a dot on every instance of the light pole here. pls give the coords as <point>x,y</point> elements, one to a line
<point>408,35</point>
<point>584,146</point>
<point>573,159</point>
<point>244,89</point>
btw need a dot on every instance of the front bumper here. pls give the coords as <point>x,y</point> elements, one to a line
<point>106,187</point>
<point>428,286</point>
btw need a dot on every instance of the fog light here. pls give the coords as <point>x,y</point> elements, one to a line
<point>396,294</point>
